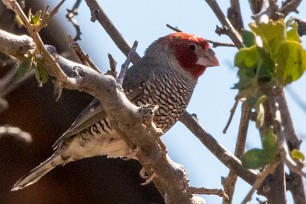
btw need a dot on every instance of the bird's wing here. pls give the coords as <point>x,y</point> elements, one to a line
<point>89,116</point>
<point>136,77</point>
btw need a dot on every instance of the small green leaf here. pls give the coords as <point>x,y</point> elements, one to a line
<point>272,34</point>
<point>40,73</point>
<point>266,66</point>
<point>296,154</point>
<point>291,62</point>
<point>248,38</point>
<point>23,68</point>
<point>292,34</point>
<point>246,57</point>
<point>254,159</point>
<point>269,143</point>
<point>36,19</point>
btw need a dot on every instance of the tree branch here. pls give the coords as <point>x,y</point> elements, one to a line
<point>234,15</point>
<point>232,33</point>
<point>230,181</point>
<point>219,151</point>
<point>287,141</point>
<point>97,13</point>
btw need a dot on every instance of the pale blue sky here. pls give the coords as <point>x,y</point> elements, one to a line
<point>213,98</point>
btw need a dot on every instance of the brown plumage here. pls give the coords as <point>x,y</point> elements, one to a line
<point>165,76</point>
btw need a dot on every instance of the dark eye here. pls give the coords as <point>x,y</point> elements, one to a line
<point>192,47</point>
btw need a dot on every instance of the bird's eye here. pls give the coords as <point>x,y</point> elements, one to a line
<point>192,47</point>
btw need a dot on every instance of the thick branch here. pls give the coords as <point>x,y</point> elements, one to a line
<point>16,46</point>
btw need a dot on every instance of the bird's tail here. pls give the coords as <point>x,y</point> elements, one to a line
<point>34,175</point>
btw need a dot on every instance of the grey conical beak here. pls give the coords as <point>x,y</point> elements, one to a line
<point>209,60</point>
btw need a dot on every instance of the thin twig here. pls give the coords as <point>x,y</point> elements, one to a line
<point>206,191</point>
<point>230,181</point>
<point>214,43</point>
<point>71,18</point>
<point>126,64</point>
<point>220,44</point>
<point>54,11</point>
<point>232,112</point>
<point>82,55</point>
<point>218,150</point>
<point>233,34</point>
<point>290,6</point>
<point>97,13</point>
<point>176,29</point>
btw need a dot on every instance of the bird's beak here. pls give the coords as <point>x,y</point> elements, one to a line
<point>209,60</point>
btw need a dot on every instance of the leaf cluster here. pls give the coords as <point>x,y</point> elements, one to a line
<point>273,56</point>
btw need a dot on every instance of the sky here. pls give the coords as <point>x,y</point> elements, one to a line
<point>213,97</point>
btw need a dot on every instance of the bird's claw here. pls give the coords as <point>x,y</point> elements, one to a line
<point>149,178</point>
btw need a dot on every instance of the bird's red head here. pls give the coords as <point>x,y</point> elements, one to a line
<point>192,52</point>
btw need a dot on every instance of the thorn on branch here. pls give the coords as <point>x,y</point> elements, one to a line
<point>127,62</point>
<point>112,65</point>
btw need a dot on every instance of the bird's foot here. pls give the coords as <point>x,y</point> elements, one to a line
<point>149,178</point>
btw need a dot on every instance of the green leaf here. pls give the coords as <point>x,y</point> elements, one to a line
<point>23,68</point>
<point>296,154</point>
<point>36,19</point>
<point>272,34</point>
<point>291,62</point>
<point>266,66</point>
<point>254,159</point>
<point>246,57</point>
<point>248,38</point>
<point>292,34</point>
<point>40,73</point>
<point>269,143</point>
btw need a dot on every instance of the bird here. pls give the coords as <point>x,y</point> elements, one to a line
<point>165,76</point>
